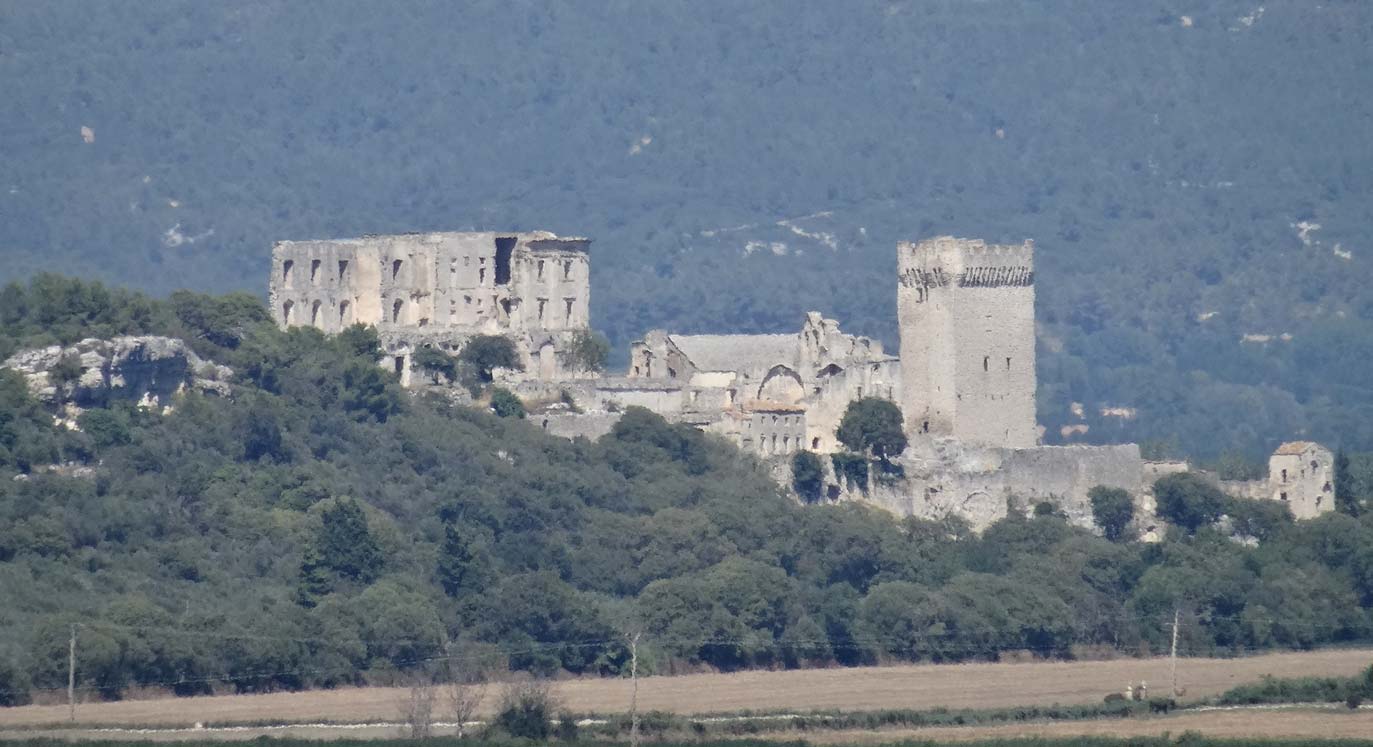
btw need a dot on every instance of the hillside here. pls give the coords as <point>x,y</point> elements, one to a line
<point>1192,175</point>
<point>321,526</point>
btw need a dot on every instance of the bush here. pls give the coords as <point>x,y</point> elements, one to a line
<point>525,711</point>
<point>1189,501</point>
<point>505,404</point>
<point>1112,510</point>
<point>807,476</point>
<point>14,684</point>
<point>851,467</point>
<point>873,426</point>
<point>435,363</point>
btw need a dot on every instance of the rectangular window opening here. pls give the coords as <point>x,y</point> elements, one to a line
<point>504,248</point>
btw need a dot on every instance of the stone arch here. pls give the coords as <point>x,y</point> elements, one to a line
<point>314,313</point>
<point>781,384</point>
<point>548,360</point>
<point>288,312</point>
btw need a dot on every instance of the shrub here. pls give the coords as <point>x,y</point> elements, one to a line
<point>505,404</point>
<point>525,710</point>
<point>873,426</point>
<point>807,476</point>
<point>435,363</point>
<point>1112,510</point>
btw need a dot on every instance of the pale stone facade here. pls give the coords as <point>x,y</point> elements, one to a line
<point>770,394</point>
<point>1301,474</point>
<point>440,289</point>
<point>965,380</point>
<point>967,323</point>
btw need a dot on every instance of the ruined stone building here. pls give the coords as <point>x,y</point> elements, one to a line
<point>965,379</point>
<point>967,323</point>
<point>1301,475</point>
<point>439,289</point>
<point>770,394</point>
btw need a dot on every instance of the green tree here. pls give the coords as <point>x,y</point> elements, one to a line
<point>1112,509</point>
<point>461,570</point>
<point>345,544</point>
<point>223,321</point>
<point>588,350</point>
<point>360,340</point>
<point>873,426</point>
<point>14,684</point>
<point>807,476</point>
<point>313,582</point>
<point>370,393</point>
<point>485,353</point>
<point>1188,500</point>
<point>1347,493</point>
<point>435,363</point>
<point>505,404</point>
<point>106,428</point>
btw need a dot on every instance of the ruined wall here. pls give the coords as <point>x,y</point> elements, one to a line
<point>553,284</point>
<point>765,430</point>
<point>440,289</point>
<point>591,425</point>
<point>326,284</point>
<point>976,483</point>
<point>966,315</point>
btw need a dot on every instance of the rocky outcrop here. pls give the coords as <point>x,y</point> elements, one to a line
<point>148,370</point>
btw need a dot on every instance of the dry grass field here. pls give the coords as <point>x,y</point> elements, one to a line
<point>915,687</point>
<point>1279,724</point>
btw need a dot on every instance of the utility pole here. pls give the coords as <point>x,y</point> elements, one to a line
<point>71,676</point>
<point>1173,657</point>
<point>634,693</point>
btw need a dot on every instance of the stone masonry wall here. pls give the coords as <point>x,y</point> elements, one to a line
<point>966,316</point>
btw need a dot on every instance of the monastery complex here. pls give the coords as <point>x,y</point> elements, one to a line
<point>964,381</point>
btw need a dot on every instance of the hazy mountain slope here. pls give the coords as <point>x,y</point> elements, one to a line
<point>740,165</point>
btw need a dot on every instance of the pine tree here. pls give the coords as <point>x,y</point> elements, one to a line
<point>314,581</point>
<point>457,567</point>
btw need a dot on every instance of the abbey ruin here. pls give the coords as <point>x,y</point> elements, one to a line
<point>965,380</point>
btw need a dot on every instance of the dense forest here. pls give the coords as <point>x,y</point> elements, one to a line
<point>322,526</point>
<point>1191,175</point>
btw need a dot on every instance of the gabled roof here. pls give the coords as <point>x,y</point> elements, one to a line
<point>737,352</point>
<point>1296,448</point>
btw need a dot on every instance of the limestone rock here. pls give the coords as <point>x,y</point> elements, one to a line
<point>146,369</point>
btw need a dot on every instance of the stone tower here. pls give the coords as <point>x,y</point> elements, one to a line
<point>967,319</point>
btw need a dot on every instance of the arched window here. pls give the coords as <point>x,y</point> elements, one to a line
<point>344,311</point>
<point>288,312</point>
<point>314,314</point>
<point>395,311</point>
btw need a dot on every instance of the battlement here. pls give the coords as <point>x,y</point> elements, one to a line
<point>966,313</point>
<point>954,253</point>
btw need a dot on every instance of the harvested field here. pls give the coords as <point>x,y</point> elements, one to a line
<point>913,687</point>
<point>1273,724</point>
